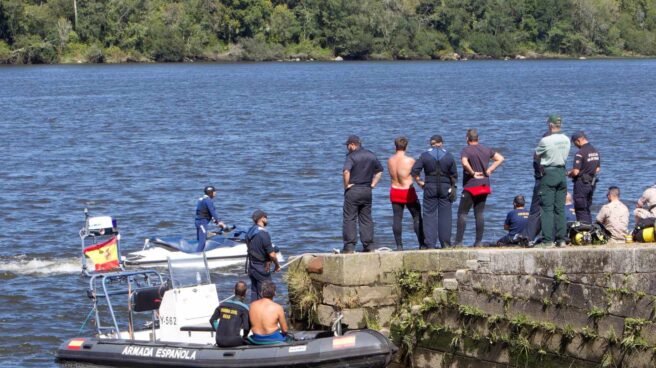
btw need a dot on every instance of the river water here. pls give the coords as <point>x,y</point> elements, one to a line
<point>139,142</point>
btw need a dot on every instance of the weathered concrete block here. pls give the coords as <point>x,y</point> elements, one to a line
<point>450,284</point>
<point>586,260</point>
<point>645,259</point>
<point>488,305</point>
<point>622,260</point>
<point>472,264</point>
<point>462,276</point>
<point>507,262</point>
<point>360,268</point>
<point>453,260</point>
<point>422,260</point>
<point>359,296</point>
<point>541,261</point>
<point>315,265</point>
<point>325,314</point>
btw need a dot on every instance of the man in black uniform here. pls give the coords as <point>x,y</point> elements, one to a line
<point>587,165</point>
<point>230,317</point>
<point>533,226</point>
<point>260,254</point>
<point>362,171</point>
<point>439,185</point>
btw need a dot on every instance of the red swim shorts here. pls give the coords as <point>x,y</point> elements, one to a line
<point>403,196</point>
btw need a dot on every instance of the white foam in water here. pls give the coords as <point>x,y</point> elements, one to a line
<point>21,265</point>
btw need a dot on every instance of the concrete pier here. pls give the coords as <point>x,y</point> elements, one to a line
<point>496,307</point>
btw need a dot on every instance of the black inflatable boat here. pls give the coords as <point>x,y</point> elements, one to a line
<point>359,348</point>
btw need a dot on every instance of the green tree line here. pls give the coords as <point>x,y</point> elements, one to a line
<point>69,31</point>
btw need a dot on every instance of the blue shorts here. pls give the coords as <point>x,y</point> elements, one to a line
<point>274,338</point>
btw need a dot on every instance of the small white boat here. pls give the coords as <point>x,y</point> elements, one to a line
<point>221,250</point>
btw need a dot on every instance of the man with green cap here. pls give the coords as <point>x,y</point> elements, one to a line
<point>552,151</point>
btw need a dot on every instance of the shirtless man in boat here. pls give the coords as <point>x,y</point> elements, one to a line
<point>402,193</point>
<point>267,318</point>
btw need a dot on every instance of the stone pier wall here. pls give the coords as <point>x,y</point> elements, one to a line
<point>570,307</point>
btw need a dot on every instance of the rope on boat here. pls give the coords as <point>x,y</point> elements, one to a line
<point>86,320</point>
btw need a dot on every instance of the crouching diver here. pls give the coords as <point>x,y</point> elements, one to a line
<point>260,254</point>
<point>230,318</point>
<point>516,222</point>
<point>205,212</point>
<point>267,318</point>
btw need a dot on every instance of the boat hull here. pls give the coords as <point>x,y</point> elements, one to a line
<point>363,348</point>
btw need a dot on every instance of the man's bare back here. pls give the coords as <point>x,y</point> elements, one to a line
<point>399,167</point>
<point>265,315</point>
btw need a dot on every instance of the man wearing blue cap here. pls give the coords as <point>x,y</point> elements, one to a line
<point>587,165</point>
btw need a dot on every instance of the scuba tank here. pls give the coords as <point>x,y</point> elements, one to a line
<point>644,231</point>
<point>586,234</point>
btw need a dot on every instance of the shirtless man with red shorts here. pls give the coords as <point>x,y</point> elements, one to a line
<point>402,193</point>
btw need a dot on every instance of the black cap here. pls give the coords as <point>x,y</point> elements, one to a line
<point>209,189</point>
<point>436,138</point>
<point>353,139</point>
<point>257,215</point>
<point>578,135</point>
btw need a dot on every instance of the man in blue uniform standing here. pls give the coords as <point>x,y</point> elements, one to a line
<point>584,174</point>
<point>439,185</point>
<point>362,171</point>
<point>260,254</point>
<point>205,212</point>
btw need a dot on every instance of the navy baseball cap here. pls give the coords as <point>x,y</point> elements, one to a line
<point>578,135</point>
<point>353,139</point>
<point>258,214</point>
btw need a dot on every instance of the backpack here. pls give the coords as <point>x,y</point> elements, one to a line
<point>644,231</point>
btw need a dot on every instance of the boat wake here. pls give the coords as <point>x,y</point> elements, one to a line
<point>26,265</point>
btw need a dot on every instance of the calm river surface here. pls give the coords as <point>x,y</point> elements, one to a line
<point>139,142</point>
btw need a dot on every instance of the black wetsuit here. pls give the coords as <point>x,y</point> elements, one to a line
<point>228,320</point>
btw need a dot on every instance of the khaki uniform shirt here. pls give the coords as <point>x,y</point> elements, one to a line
<point>647,201</point>
<point>615,218</point>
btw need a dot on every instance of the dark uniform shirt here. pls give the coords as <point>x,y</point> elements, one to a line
<point>479,156</point>
<point>259,245</point>
<point>516,221</point>
<point>444,173</point>
<point>587,161</point>
<point>228,319</point>
<point>205,209</point>
<point>363,165</point>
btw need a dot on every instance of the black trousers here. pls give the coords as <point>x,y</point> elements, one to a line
<point>438,218</point>
<point>583,200</point>
<point>357,211</point>
<point>397,223</point>
<point>258,275</point>
<point>467,201</point>
<point>534,227</point>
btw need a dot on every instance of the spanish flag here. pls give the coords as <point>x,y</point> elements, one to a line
<point>104,256</point>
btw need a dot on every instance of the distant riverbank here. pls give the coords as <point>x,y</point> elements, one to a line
<point>84,54</point>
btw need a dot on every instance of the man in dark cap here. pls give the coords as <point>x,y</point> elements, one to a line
<point>260,254</point>
<point>439,185</point>
<point>587,165</point>
<point>362,171</point>
<point>205,212</point>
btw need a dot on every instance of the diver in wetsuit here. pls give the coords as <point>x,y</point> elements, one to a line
<point>230,318</point>
<point>205,212</point>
